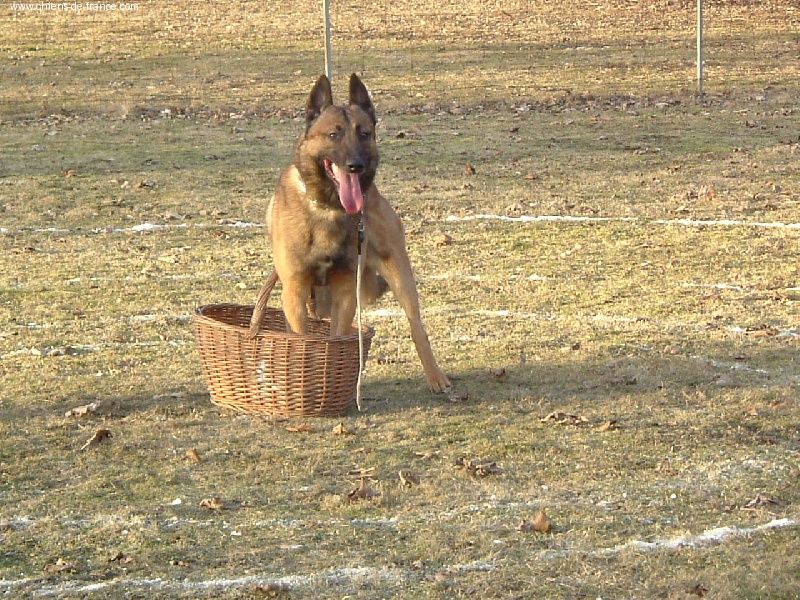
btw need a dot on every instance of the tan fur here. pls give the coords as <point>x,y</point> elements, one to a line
<point>314,241</point>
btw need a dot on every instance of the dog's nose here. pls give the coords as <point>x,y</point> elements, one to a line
<point>355,165</point>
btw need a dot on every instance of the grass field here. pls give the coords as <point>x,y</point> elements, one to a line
<point>614,291</point>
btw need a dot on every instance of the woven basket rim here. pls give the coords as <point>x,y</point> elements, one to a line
<point>368,331</point>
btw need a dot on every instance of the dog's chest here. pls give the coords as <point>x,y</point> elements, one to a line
<point>330,246</point>
<point>318,235</point>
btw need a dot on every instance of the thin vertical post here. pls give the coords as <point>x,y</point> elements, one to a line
<point>326,9</point>
<point>700,47</point>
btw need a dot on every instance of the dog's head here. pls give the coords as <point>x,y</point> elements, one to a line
<point>337,156</point>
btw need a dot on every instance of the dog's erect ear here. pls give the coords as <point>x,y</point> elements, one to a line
<point>319,98</point>
<point>360,96</point>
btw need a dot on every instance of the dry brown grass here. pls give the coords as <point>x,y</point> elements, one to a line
<point>651,314</point>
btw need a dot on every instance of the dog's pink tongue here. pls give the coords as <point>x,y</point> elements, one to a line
<point>350,191</point>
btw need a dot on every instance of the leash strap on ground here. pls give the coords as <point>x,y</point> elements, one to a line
<point>361,262</point>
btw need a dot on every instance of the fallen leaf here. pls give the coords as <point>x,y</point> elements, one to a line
<point>192,453</point>
<point>80,411</point>
<point>455,398</point>
<point>340,429</point>
<point>170,395</point>
<point>55,351</point>
<point>761,331</point>
<point>213,503</point>
<point>498,374</point>
<point>625,380</point>
<point>100,436</point>
<point>443,578</point>
<point>408,478</point>
<point>119,557</point>
<point>727,380</point>
<point>760,502</point>
<point>782,402</point>
<point>706,192</point>
<point>427,455</point>
<point>698,590</point>
<point>564,419</point>
<point>361,473</point>
<point>541,522</point>
<point>302,428</point>
<point>479,467</point>
<point>270,590</point>
<point>445,240</point>
<point>60,566</point>
<point>363,492</point>
<point>608,425</point>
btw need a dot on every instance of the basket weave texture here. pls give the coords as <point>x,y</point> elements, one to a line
<point>277,373</point>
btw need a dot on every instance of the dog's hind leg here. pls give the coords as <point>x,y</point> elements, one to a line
<point>311,304</point>
<point>322,302</point>
<point>343,301</point>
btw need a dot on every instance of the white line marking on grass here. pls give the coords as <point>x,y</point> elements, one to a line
<point>574,219</point>
<point>347,575</point>
<point>153,227</point>
<point>141,228</point>
<point>333,576</point>
<point>146,227</point>
<point>716,286</point>
<point>712,536</point>
<point>541,219</point>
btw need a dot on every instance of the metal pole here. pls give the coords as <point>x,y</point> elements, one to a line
<point>700,47</point>
<point>326,9</point>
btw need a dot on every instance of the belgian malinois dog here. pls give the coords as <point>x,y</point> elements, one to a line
<point>313,224</point>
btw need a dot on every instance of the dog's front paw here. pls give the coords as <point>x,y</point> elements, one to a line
<point>439,383</point>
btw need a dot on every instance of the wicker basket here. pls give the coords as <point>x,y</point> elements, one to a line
<point>276,373</point>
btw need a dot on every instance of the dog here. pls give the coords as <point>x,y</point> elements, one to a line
<point>313,225</point>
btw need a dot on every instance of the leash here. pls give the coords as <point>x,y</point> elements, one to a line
<point>361,261</point>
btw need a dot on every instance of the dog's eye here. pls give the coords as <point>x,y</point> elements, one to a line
<point>364,133</point>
